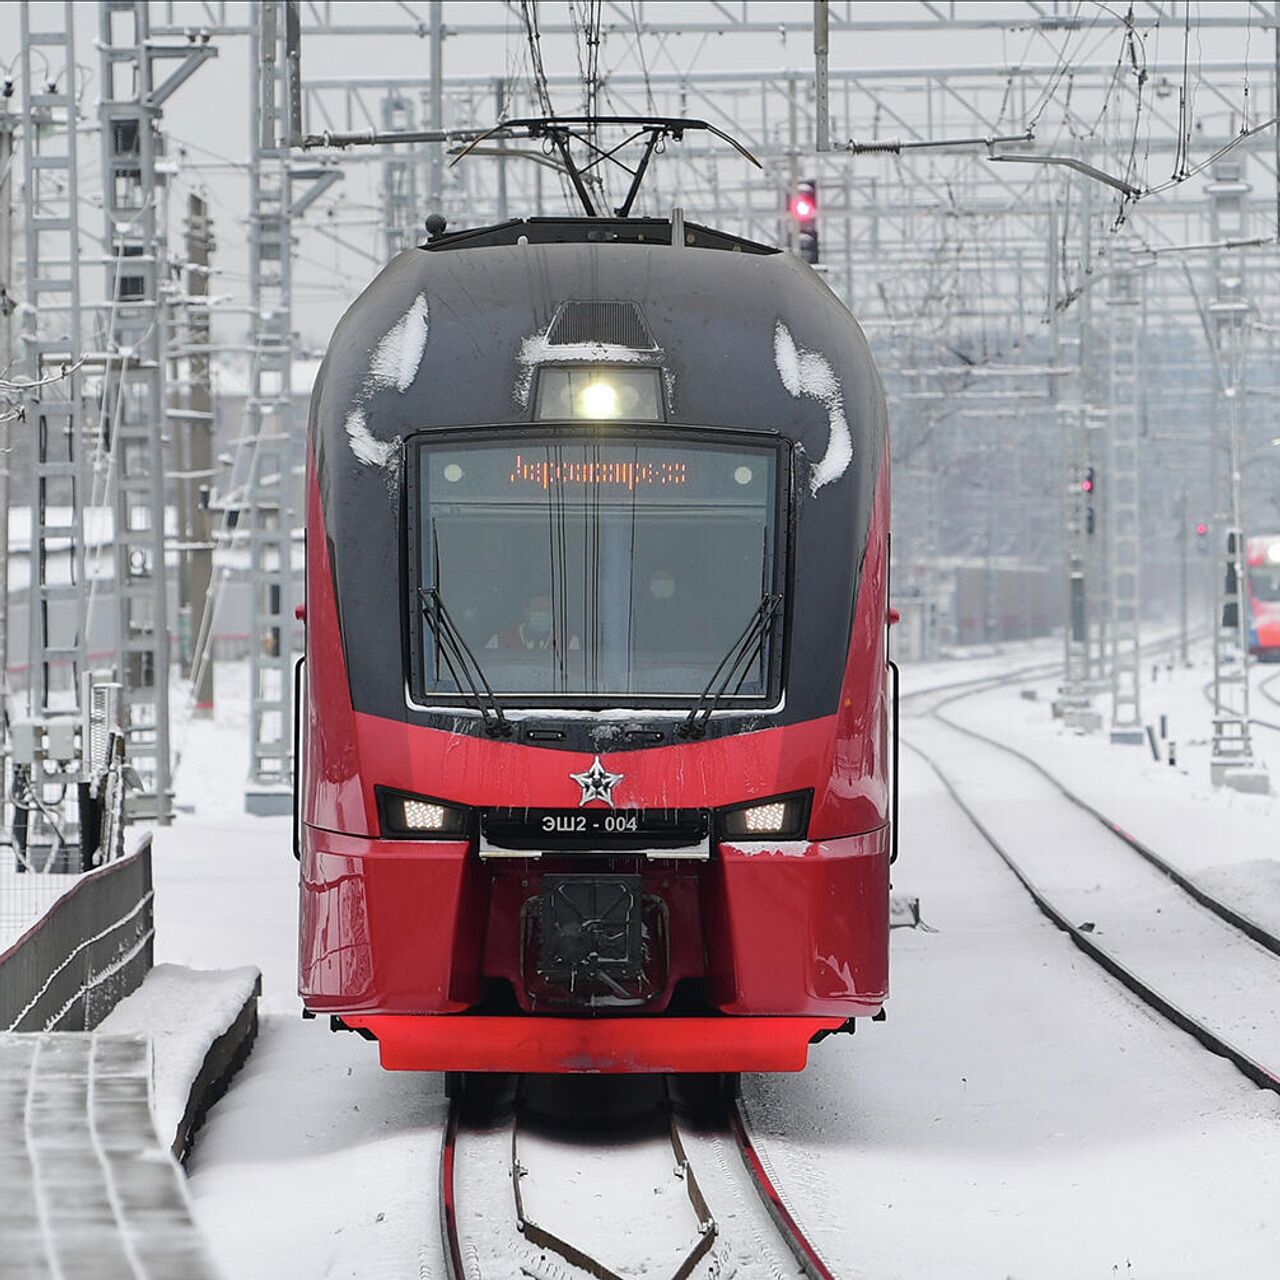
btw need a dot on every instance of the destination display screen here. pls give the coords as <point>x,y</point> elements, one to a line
<point>602,830</point>
<point>543,474</point>
<point>604,472</point>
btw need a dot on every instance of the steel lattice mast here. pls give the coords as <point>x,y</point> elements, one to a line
<point>51,338</point>
<point>267,510</point>
<point>1124,321</point>
<point>1233,762</point>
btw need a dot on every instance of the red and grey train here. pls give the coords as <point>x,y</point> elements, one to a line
<point>1262,584</point>
<point>595,741</point>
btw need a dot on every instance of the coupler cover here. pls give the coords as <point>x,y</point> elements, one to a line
<point>590,937</point>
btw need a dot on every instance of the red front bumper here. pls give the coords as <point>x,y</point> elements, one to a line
<point>547,1044</point>
<point>407,939</point>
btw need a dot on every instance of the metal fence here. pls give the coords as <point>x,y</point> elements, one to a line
<point>63,813</point>
<point>88,949</point>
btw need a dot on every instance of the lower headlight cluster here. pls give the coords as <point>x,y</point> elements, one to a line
<point>409,815</point>
<point>782,816</point>
<point>423,815</point>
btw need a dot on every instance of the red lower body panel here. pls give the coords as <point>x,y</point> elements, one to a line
<point>1265,637</point>
<point>760,947</point>
<point>635,1044</point>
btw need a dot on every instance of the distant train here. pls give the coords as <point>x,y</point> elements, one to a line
<point>1262,583</point>
<point>595,713</point>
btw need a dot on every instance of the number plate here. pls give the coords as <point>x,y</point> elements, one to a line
<point>599,829</point>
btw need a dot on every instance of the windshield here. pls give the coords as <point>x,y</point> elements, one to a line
<point>598,563</point>
<point>1265,584</point>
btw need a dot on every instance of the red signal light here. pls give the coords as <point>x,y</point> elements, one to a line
<point>1086,486</point>
<point>1202,529</point>
<point>803,207</point>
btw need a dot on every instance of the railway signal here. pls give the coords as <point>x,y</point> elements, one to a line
<point>804,209</point>
<point>1088,485</point>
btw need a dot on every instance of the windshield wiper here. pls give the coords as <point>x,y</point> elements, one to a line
<point>451,646</point>
<point>741,654</point>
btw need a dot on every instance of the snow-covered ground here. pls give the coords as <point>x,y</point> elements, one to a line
<point>1230,838</point>
<point>183,1011</point>
<point>1018,1115</point>
<point>316,1163</point>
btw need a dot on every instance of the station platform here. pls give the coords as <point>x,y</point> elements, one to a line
<point>90,1184</point>
<point>86,1188</point>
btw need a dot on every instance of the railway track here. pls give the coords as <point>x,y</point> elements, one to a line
<point>708,1142</point>
<point>728,1204</point>
<point>1219,984</point>
<point>690,1134</point>
<point>1263,689</point>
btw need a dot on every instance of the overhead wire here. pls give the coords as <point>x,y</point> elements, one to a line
<point>538,75</point>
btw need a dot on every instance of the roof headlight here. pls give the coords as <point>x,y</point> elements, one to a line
<point>598,400</point>
<point>599,393</point>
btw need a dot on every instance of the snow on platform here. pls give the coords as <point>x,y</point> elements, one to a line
<point>201,1024</point>
<point>87,1190</point>
<point>90,1123</point>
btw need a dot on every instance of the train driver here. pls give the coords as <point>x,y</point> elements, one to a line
<point>534,631</point>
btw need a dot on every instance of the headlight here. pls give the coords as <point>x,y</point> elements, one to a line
<point>781,816</point>
<point>409,815</point>
<point>600,393</point>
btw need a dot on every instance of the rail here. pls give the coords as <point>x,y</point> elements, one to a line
<point>1250,928</point>
<point>1260,1074</point>
<point>1255,1071</point>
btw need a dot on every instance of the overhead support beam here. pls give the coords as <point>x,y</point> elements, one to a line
<point>752,17</point>
<point>320,180</point>
<point>192,60</point>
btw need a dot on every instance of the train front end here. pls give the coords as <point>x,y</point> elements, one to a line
<point>1262,581</point>
<point>595,768</point>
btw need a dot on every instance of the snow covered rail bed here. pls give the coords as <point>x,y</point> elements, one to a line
<point>1263,936</point>
<point>604,1177</point>
<point>1253,720</point>
<point>1270,688</point>
<point>1204,966</point>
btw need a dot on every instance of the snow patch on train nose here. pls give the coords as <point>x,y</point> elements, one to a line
<point>393,366</point>
<point>397,357</point>
<point>367,448</point>
<point>809,373</point>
